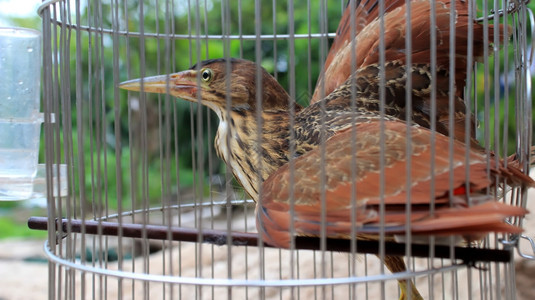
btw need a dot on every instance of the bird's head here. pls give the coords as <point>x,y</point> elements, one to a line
<point>212,81</point>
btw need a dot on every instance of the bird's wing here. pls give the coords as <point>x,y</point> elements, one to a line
<point>367,93</point>
<point>366,51</point>
<point>365,12</point>
<point>352,165</point>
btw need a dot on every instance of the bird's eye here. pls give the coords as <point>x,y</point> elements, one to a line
<point>206,75</point>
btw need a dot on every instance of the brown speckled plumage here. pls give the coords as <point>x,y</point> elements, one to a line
<point>367,88</point>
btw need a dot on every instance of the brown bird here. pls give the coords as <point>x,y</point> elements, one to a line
<point>332,121</point>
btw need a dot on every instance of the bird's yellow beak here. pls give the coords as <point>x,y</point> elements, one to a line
<point>182,84</point>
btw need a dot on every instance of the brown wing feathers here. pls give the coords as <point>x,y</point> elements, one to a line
<point>337,66</point>
<point>273,212</point>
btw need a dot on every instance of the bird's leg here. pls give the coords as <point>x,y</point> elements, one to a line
<point>408,290</point>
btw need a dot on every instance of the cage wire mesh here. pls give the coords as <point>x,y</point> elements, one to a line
<point>152,212</point>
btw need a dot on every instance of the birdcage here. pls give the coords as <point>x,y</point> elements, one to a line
<point>151,210</point>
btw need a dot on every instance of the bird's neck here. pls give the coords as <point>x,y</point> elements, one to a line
<point>253,154</point>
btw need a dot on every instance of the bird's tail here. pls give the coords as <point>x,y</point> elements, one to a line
<point>510,174</point>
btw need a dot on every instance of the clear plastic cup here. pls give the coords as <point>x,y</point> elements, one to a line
<point>20,120</point>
